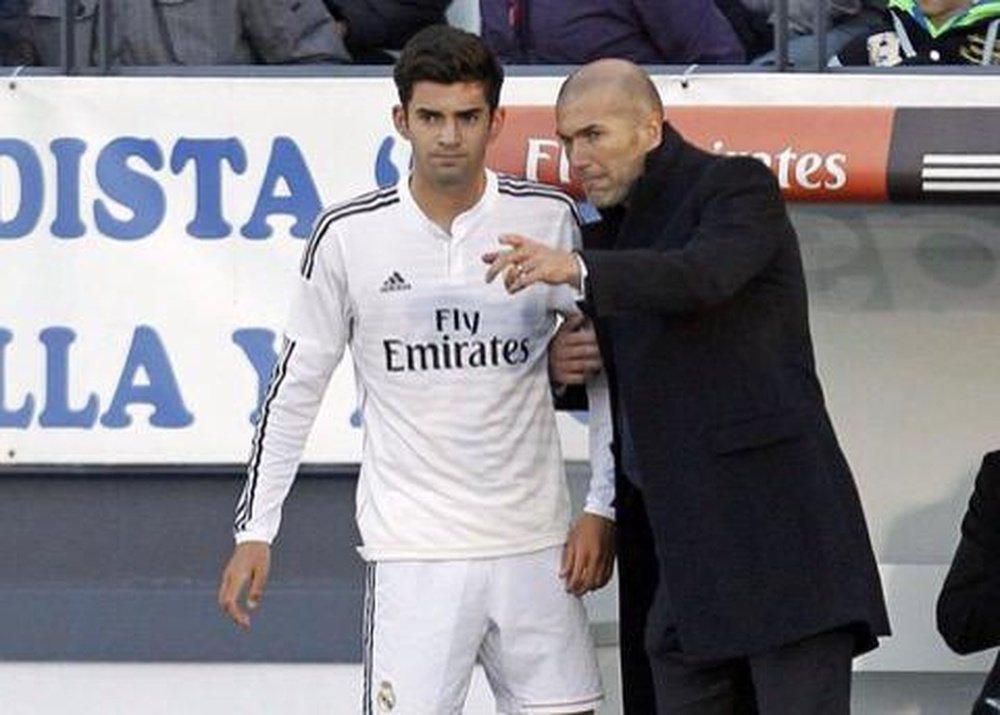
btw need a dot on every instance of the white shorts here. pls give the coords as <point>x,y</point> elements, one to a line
<point>428,622</point>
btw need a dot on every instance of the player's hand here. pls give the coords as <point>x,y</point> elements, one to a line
<point>528,262</point>
<point>574,356</point>
<point>249,563</point>
<point>589,554</point>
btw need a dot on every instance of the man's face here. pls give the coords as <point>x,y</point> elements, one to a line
<point>606,141</point>
<point>937,11</point>
<point>449,127</point>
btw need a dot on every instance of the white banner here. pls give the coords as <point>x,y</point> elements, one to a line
<point>150,233</point>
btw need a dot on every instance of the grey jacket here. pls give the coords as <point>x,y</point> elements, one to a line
<point>195,32</point>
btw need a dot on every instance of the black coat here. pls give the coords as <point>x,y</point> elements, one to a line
<point>699,301</point>
<point>968,609</point>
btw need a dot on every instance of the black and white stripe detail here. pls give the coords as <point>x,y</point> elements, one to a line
<point>523,187</point>
<point>244,509</point>
<point>368,638</point>
<point>954,173</point>
<point>371,201</point>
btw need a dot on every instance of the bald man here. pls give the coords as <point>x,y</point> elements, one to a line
<point>747,579</point>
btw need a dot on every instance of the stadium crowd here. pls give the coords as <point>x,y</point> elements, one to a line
<point>881,33</point>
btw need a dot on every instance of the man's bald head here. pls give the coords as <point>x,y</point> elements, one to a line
<point>626,81</point>
<point>609,117</point>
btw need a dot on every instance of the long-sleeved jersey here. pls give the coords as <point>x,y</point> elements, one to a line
<point>460,457</point>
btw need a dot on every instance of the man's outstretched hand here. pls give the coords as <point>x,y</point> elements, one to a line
<point>527,262</point>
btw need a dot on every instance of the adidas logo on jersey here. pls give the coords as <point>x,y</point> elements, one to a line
<point>395,282</point>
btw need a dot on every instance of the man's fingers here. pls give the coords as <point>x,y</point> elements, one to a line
<point>577,565</point>
<point>496,265</point>
<point>518,264</point>
<point>229,593</point>
<point>609,569</point>
<point>239,616</point>
<point>223,595</point>
<point>229,589</point>
<point>580,579</point>
<point>579,342</point>
<point>499,262</point>
<point>568,559</point>
<point>514,280</point>
<point>257,582</point>
<point>579,357</point>
<point>512,239</point>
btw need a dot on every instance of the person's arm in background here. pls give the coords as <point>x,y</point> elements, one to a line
<point>968,609</point>
<point>292,31</point>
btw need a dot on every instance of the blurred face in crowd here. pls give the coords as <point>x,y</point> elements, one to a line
<point>606,132</point>
<point>449,127</point>
<point>939,11</point>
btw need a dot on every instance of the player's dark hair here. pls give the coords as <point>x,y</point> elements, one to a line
<point>446,55</point>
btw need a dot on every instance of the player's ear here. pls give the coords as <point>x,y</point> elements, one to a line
<point>399,119</point>
<point>497,121</point>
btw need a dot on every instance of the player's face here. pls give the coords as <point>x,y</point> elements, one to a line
<point>606,139</point>
<point>449,127</point>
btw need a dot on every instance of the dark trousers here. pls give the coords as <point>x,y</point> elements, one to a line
<point>637,581</point>
<point>809,677</point>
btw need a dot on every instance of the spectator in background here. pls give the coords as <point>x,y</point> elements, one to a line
<point>755,20</point>
<point>196,32</point>
<point>644,31</point>
<point>370,27</point>
<point>16,47</point>
<point>929,32</point>
<point>968,610</point>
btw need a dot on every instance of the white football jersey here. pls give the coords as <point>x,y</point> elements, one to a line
<point>460,457</point>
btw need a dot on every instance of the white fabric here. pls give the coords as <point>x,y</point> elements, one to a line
<point>461,456</point>
<point>428,623</point>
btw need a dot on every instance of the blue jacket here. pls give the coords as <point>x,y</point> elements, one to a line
<point>644,31</point>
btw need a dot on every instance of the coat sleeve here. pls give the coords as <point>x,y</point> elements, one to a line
<point>968,609</point>
<point>742,224</point>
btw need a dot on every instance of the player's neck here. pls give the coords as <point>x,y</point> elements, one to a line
<point>442,204</point>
